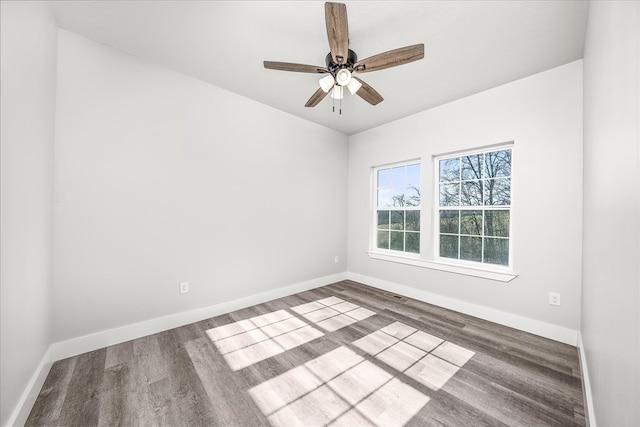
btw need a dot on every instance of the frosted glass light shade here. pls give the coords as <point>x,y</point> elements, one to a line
<point>337,93</point>
<point>326,83</point>
<point>354,86</point>
<point>343,77</point>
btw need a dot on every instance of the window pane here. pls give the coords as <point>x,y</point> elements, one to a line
<point>498,163</point>
<point>384,178</point>
<point>383,239</point>
<point>449,221</point>
<point>471,222</point>
<point>449,194</point>
<point>497,191</point>
<point>413,175</point>
<point>398,197</point>
<point>384,198</point>
<point>412,242</point>
<point>412,220</point>
<point>412,196</point>
<point>450,170</point>
<point>398,176</point>
<point>471,193</point>
<point>471,248</point>
<point>496,223</point>
<point>471,167</point>
<point>397,238</point>
<point>496,251</point>
<point>397,220</point>
<point>448,246</point>
<point>383,220</point>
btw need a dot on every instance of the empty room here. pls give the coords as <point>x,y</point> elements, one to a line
<point>360,213</point>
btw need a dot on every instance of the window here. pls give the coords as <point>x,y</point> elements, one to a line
<point>468,214</point>
<point>397,213</point>
<point>474,207</point>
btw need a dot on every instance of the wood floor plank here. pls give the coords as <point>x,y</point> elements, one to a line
<point>232,406</point>
<point>471,372</point>
<point>191,405</point>
<point>446,410</point>
<point>163,403</point>
<point>82,403</point>
<point>46,410</point>
<point>563,396</point>
<point>119,354</point>
<point>148,359</point>
<point>114,400</point>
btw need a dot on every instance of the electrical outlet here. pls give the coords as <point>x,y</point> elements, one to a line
<point>554,298</point>
<point>336,259</point>
<point>184,287</point>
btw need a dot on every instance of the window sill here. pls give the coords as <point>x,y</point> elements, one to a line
<point>499,276</point>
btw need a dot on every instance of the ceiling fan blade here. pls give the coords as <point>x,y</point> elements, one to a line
<point>288,66</point>
<point>337,31</point>
<point>315,99</point>
<point>368,93</point>
<point>391,58</point>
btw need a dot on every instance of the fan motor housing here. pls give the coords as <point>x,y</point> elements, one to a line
<point>333,68</point>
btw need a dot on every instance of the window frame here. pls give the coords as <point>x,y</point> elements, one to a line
<point>436,211</point>
<point>373,225</point>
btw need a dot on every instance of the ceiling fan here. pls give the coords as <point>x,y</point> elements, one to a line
<point>342,62</point>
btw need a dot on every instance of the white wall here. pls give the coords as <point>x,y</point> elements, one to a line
<point>28,70</point>
<point>611,254</point>
<point>542,114</point>
<point>161,178</point>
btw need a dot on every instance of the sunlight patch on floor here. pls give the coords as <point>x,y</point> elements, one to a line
<point>332,313</point>
<point>337,388</point>
<point>425,358</point>
<point>258,338</point>
<point>340,387</point>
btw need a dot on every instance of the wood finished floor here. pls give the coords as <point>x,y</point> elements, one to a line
<point>344,354</point>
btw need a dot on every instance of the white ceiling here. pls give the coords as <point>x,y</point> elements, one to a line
<point>470,46</point>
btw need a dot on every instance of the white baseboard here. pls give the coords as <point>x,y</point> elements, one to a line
<point>95,341</point>
<point>22,409</point>
<point>588,397</point>
<point>536,327</point>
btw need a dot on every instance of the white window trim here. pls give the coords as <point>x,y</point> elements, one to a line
<point>486,271</point>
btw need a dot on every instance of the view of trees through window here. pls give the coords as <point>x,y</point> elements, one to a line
<point>398,208</point>
<point>475,207</point>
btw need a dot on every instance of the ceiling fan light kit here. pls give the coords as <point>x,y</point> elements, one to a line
<point>343,77</point>
<point>342,63</point>
<point>354,86</point>
<point>327,82</point>
<point>337,92</point>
